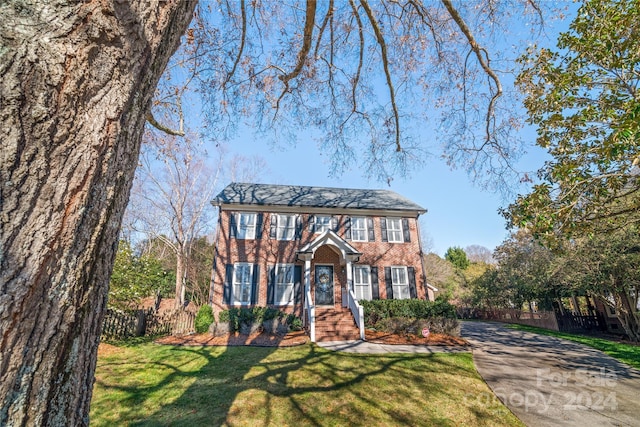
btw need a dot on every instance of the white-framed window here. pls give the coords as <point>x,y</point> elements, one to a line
<point>242,283</point>
<point>400,283</point>
<point>359,229</point>
<point>322,224</point>
<point>394,230</point>
<point>286,227</point>
<point>246,225</point>
<point>362,282</point>
<point>284,284</point>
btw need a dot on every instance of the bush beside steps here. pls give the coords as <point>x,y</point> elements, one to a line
<point>256,319</point>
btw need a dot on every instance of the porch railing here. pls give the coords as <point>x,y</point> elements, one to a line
<point>357,311</point>
<point>311,315</point>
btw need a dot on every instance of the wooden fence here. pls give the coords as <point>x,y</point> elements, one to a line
<point>544,319</point>
<point>120,325</point>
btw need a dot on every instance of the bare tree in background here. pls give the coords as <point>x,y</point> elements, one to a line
<point>479,253</point>
<point>172,195</point>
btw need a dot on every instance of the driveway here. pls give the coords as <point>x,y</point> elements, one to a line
<point>547,381</point>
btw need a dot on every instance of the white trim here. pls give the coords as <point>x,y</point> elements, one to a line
<point>347,252</point>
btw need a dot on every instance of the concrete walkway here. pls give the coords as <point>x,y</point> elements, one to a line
<point>374,348</point>
<point>547,381</point>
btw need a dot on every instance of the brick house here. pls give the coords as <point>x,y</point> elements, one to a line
<point>316,252</point>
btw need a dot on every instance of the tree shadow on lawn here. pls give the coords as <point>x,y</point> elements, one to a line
<point>308,385</point>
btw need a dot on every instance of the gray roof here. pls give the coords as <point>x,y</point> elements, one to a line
<point>322,197</point>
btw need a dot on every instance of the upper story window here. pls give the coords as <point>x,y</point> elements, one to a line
<point>395,230</point>
<point>359,229</point>
<point>246,223</point>
<point>322,223</point>
<point>285,226</point>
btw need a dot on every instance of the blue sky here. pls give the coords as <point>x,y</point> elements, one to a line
<point>459,212</point>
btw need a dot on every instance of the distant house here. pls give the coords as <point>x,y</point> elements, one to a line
<point>315,252</point>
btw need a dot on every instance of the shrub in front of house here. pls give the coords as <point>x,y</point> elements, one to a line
<point>204,319</point>
<point>254,319</point>
<point>411,316</point>
<point>412,326</point>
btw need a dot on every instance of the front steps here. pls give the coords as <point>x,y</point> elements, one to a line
<point>336,324</point>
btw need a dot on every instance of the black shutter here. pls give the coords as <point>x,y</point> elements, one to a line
<point>273,227</point>
<point>259,222</point>
<point>297,284</point>
<point>388,283</point>
<point>372,235</point>
<point>233,226</point>
<point>312,224</point>
<point>298,232</point>
<point>413,291</point>
<point>228,284</point>
<point>375,286</point>
<point>405,229</point>
<point>271,285</point>
<point>383,229</point>
<point>347,228</point>
<point>254,284</point>
<point>335,224</point>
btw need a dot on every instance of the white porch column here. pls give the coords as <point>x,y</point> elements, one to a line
<point>349,285</point>
<point>307,277</point>
<point>308,304</point>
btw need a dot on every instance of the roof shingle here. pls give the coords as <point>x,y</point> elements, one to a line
<point>324,197</point>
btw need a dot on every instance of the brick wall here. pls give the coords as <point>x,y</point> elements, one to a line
<point>265,252</point>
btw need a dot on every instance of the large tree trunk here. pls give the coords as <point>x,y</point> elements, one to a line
<point>76,80</point>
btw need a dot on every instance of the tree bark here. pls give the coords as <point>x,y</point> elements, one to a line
<point>76,81</point>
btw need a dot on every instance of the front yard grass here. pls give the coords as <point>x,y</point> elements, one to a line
<point>150,385</point>
<point>627,353</point>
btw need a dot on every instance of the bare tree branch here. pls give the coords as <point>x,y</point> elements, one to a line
<point>243,37</point>
<point>387,72</point>
<point>153,122</point>
<point>483,59</point>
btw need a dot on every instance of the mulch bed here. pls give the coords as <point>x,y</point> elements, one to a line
<point>258,339</point>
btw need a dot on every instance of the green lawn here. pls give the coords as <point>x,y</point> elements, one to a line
<point>152,385</point>
<point>627,353</point>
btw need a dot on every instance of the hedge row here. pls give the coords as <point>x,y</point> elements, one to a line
<point>235,317</point>
<point>377,310</point>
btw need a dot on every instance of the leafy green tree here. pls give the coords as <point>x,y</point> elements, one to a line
<point>585,103</point>
<point>135,277</point>
<point>606,266</point>
<point>457,256</point>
